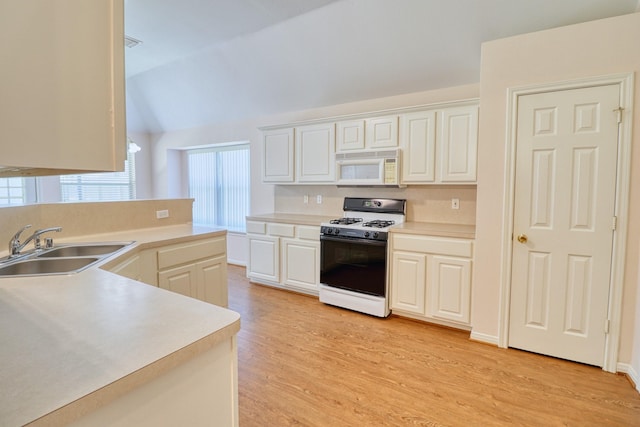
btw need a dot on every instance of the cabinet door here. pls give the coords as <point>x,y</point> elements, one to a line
<point>278,156</point>
<point>381,132</point>
<point>350,135</point>
<point>130,268</point>
<point>458,143</point>
<point>212,281</point>
<point>264,258</point>
<point>417,138</point>
<point>315,153</point>
<point>408,282</point>
<point>63,101</point>
<point>301,264</point>
<point>449,288</point>
<point>182,280</point>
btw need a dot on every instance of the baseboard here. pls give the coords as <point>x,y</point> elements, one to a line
<point>630,373</point>
<point>237,262</point>
<point>484,338</point>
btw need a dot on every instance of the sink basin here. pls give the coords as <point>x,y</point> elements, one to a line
<point>81,250</point>
<point>66,259</point>
<point>37,266</point>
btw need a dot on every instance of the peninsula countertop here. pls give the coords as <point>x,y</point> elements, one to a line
<point>71,341</point>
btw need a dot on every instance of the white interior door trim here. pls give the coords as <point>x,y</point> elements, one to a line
<point>626,85</point>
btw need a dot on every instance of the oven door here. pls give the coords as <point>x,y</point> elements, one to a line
<point>357,265</point>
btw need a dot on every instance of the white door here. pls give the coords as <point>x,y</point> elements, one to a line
<point>563,233</point>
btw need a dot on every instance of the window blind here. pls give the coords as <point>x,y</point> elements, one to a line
<point>12,191</point>
<point>219,183</point>
<point>105,186</point>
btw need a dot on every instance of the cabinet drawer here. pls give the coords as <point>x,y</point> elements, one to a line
<point>189,252</point>
<point>308,232</point>
<point>282,230</point>
<point>256,227</point>
<point>434,245</point>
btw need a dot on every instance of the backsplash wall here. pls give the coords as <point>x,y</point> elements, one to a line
<point>424,203</point>
<point>85,218</point>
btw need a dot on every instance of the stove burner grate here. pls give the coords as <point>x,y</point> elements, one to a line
<point>345,221</point>
<point>379,223</point>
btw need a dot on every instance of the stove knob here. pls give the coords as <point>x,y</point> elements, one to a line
<point>375,235</point>
<point>366,234</point>
<point>336,231</point>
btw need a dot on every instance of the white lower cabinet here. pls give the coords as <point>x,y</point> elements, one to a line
<point>181,280</point>
<point>140,266</point>
<point>408,280</point>
<point>431,278</point>
<point>264,258</point>
<point>300,264</point>
<point>284,255</point>
<point>197,269</point>
<point>449,290</point>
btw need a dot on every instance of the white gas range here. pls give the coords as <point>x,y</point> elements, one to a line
<point>353,254</point>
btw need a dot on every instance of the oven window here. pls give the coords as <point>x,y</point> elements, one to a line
<point>354,265</point>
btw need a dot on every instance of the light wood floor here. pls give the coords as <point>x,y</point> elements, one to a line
<point>303,363</point>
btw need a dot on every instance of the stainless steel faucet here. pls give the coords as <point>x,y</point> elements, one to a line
<point>15,246</point>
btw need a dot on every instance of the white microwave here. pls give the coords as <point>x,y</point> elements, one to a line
<point>377,168</point>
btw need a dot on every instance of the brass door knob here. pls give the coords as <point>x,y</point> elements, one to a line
<point>522,238</point>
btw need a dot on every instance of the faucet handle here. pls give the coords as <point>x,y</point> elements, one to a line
<point>36,236</point>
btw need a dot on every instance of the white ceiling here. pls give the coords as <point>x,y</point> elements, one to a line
<point>210,61</point>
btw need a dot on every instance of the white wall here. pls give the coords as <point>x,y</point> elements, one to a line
<point>595,48</point>
<point>143,164</point>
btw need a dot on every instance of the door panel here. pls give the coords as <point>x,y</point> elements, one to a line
<point>566,160</point>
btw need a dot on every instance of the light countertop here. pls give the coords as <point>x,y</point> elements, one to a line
<point>411,227</point>
<point>292,218</point>
<point>435,229</point>
<point>70,342</point>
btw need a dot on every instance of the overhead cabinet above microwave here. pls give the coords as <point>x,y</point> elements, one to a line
<point>62,108</point>
<point>367,134</point>
<point>437,145</point>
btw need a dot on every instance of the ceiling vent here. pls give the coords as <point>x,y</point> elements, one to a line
<point>131,42</point>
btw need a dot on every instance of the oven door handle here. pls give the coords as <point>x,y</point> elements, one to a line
<point>353,240</point>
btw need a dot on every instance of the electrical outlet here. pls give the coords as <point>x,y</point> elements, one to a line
<point>319,199</point>
<point>455,203</point>
<point>306,199</point>
<point>162,214</point>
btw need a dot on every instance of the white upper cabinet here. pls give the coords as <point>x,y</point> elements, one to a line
<point>62,107</point>
<point>381,132</point>
<point>350,135</point>
<point>315,153</point>
<point>277,156</point>
<point>458,144</point>
<point>439,146</point>
<point>418,141</point>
